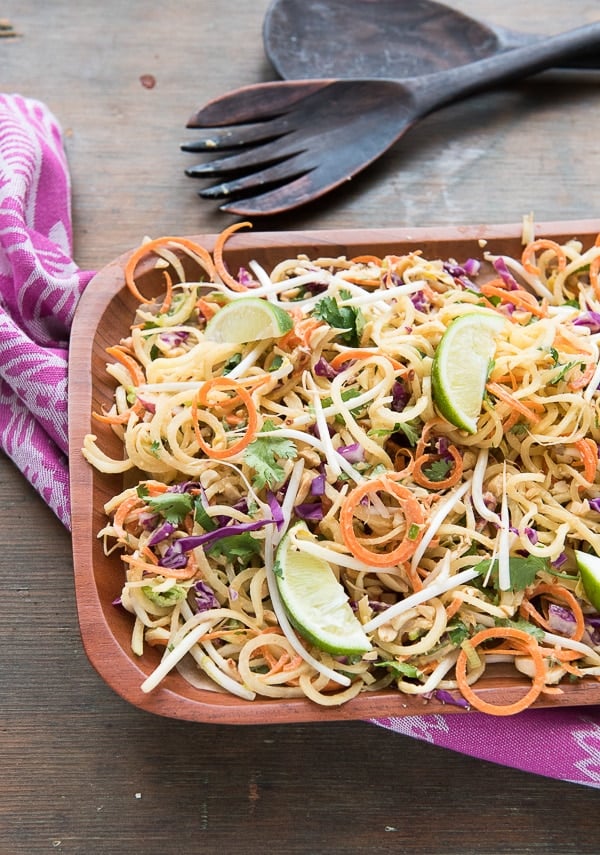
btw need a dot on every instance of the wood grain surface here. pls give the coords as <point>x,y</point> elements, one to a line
<point>83,771</point>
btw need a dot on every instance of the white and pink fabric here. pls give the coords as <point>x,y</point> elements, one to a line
<point>39,288</point>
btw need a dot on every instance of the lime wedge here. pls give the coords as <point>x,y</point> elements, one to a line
<point>589,570</point>
<point>248,319</point>
<point>316,602</point>
<point>460,367</point>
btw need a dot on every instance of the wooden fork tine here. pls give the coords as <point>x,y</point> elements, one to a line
<point>288,170</point>
<point>253,158</point>
<point>236,136</point>
<point>283,198</point>
<point>248,103</point>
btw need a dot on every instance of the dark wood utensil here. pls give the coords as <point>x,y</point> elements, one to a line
<point>383,38</point>
<point>314,135</point>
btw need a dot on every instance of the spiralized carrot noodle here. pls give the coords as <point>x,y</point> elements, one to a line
<point>556,593</point>
<point>219,262</point>
<point>527,645</point>
<point>329,437</point>
<point>196,251</point>
<point>542,244</point>
<point>453,478</point>
<point>202,399</point>
<point>413,519</point>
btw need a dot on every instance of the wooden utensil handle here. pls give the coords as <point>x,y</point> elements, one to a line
<point>434,90</point>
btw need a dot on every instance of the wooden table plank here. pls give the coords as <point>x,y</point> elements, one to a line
<point>84,772</point>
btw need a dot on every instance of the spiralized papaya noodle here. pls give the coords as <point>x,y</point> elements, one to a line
<point>455,549</point>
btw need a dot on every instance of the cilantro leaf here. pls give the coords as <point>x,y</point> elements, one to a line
<point>240,547</point>
<point>519,429</point>
<point>563,367</point>
<point>411,431</point>
<point>564,370</point>
<point>275,363</point>
<point>438,470</point>
<point>523,570</point>
<point>232,362</point>
<point>523,625</point>
<point>174,507</point>
<point>401,669</point>
<point>348,319</point>
<point>346,395</point>
<point>263,455</point>
<point>457,633</point>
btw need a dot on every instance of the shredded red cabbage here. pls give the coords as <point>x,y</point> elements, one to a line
<point>149,406</point>
<point>161,533</point>
<point>590,319</point>
<point>419,301</point>
<point>354,453</point>
<point>276,509</point>
<point>309,511</point>
<point>174,337</point>
<point>186,487</point>
<point>317,485</point>
<point>462,273</point>
<point>323,369</point>
<point>245,278</point>
<point>472,266</point>
<point>400,396</point>
<point>592,626</point>
<point>441,445</point>
<point>148,519</point>
<point>504,273</point>
<point>175,557</point>
<point>204,597</point>
<point>378,606</point>
<point>558,562</point>
<point>531,533</point>
<point>561,619</point>
<point>448,698</point>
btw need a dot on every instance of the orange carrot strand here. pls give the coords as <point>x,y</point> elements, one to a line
<point>529,647</point>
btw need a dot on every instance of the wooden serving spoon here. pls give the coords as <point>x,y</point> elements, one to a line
<point>382,38</point>
<point>297,140</point>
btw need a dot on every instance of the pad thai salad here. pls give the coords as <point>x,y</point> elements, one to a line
<point>344,475</point>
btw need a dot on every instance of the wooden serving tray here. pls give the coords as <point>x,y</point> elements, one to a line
<point>103,316</point>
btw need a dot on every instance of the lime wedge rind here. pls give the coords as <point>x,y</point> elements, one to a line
<point>315,601</point>
<point>247,319</point>
<point>589,572</point>
<point>461,365</point>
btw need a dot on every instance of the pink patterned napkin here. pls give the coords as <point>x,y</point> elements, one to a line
<point>39,288</point>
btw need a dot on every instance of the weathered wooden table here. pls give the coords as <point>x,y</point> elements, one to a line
<point>81,770</point>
